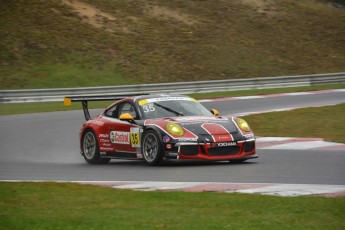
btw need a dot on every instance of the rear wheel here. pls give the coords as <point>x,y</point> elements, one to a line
<point>152,148</point>
<point>91,150</point>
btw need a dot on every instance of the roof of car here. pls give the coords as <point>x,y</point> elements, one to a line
<point>159,96</point>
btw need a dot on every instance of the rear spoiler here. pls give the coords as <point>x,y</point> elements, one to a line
<point>84,100</point>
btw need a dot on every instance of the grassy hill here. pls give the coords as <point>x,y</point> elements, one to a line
<point>70,43</point>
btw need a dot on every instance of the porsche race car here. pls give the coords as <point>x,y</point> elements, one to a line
<point>162,127</point>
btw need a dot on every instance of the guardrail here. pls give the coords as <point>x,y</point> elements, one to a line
<point>57,94</point>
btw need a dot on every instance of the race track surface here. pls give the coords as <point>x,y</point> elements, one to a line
<point>44,146</point>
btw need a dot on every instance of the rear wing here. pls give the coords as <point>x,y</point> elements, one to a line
<point>85,99</point>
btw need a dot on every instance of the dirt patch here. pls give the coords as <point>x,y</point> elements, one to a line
<point>262,6</point>
<point>93,16</point>
<point>165,13</point>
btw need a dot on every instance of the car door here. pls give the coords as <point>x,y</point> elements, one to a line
<point>124,135</point>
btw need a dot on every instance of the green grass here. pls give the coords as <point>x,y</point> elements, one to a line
<point>72,206</point>
<point>46,44</point>
<point>64,76</point>
<point>326,122</point>
<point>39,107</point>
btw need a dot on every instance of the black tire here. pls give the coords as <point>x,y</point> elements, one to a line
<point>152,148</point>
<point>90,149</point>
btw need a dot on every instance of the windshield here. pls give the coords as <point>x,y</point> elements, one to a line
<point>172,107</point>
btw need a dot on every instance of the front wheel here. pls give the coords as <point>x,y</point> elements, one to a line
<point>91,150</point>
<point>152,148</point>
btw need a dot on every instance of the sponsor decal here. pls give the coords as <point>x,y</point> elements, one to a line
<point>135,137</point>
<point>102,135</point>
<point>107,145</point>
<point>102,153</point>
<point>100,123</point>
<point>166,139</point>
<point>226,144</point>
<point>169,146</point>
<point>187,139</point>
<point>249,136</point>
<point>118,137</point>
<point>139,155</point>
<point>106,149</point>
<point>104,140</point>
<point>150,100</point>
<point>191,123</point>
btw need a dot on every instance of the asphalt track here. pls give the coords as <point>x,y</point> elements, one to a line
<point>44,146</point>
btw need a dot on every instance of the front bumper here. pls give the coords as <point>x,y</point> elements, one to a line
<point>240,150</point>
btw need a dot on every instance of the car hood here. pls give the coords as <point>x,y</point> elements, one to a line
<point>216,128</point>
<point>207,125</point>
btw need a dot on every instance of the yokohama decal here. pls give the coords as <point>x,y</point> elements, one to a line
<point>217,132</point>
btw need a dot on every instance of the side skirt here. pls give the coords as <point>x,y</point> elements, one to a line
<point>121,155</point>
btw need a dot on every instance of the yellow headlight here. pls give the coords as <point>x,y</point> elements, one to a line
<point>243,124</point>
<point>175,129</point>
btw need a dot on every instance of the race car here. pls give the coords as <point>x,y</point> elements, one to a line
<point>161,127</point>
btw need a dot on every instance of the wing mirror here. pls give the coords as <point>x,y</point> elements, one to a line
<point>126,117</point>
<point>214,112</point>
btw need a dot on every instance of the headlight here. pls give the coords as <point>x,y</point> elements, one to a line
<point>175,129</point>
<point>243,124</point>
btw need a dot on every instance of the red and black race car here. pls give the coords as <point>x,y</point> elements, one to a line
<point>162,127</point>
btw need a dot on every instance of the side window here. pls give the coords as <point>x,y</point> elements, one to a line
<point>127,107</point>
<point>111,112</point>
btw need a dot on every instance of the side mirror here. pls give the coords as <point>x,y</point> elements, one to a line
<point>214,112</point>
<point>126,117</point>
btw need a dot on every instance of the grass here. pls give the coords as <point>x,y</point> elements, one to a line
<point>48,44</point>
<point>326,122</point>
<point>39,107</point>
<point>73,206</point>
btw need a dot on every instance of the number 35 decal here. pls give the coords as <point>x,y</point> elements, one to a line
<point>148,108</point>
<point>135,137</point>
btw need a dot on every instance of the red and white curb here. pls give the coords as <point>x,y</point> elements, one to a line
<point>249,188</point>
<point>297,143</point>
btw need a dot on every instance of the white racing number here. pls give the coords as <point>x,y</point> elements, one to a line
<point>148,108</point>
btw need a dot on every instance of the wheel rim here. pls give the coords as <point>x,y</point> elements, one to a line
<point>89,145</point>
<point>150,147</point>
